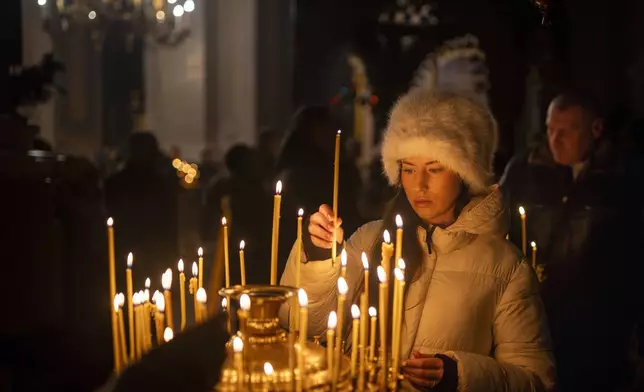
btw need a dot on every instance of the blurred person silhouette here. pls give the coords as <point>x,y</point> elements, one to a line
<point>142,199</point>
<point>583,201</point>
<point>305,166</point>
<point>268,148</point>
<point>249,215</point>
<point>56,333</point>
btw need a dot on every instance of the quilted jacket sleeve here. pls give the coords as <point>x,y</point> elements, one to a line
<point>319,279</point>
<point>522,360</point>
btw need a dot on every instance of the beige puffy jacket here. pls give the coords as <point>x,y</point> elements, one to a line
<point>475,300</point>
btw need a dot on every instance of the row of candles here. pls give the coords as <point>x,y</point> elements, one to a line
<point>145,311</point>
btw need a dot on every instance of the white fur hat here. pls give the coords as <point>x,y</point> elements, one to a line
<point>450,128</point>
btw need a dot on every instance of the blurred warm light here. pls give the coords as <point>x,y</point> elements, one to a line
<point>189,6</point>
<point>147,283</point>
<point>244,302</point>
<point>373,312</point>
<point>189,179</point>
<point>382,275</point>
<point>355,311</point>
<point>42,2</point>
<point>268,369</point>
<point>533,245</point>
<point>365,261</point>
<point>202,297</point>
<point>178,11</point>
<point>160,302</point>
<point>302,298</point>
<point>172,1</point>
<point>92,15</point>
<point>343,288</point>
<point>238,344</point>
<point>168,335</point>
<point>185,167</point>
<point>161,17</point>
<point>333,320</point>
<point>176,162</point>
<point>343,257</point>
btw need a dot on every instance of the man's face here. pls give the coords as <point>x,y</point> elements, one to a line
<point>570,134</point>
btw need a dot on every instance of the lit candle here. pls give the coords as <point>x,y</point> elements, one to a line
<point>383,305</point>
<point>387,251</point>
<point>363,340</point>
<point>238,349</point>
<point>242,262</point>
<point>355,333</point>
<point>224,224</point>
<point>202,298</point>
<point>343,288</point>
<point>399,237</point>
<point>116,347</point>
<point>523,230</point>
<point>269,372</point>
<point>122,349</point>
<point>193,286</point>
<point>396,330</point>
<point>277,202</point>
<point>200,274</point>
<point>159,317</point>
<point>136,300</point>
<point>112,276</point>
<point>130,305</point>
<point>182,293</point>
<point>343,263</point>
<point>166,283</point>
<point>145,314</point>
<point>373,313</point>
<point>303,302</point>
<point>168,335</point>
<point>365,265</point>
<point>243,312</point>
<point>534,255</point>
<point>298,259</point>
<point>224,305</point>
<point>332,323</point>
<point>336,186</point>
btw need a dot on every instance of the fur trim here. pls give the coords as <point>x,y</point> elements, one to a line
<point>452,129</point>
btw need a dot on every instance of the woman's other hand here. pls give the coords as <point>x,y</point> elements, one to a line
<point>321,225</point>
<point>423,371</point>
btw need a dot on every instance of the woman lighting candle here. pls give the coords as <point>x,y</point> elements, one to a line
<point>437,151</point>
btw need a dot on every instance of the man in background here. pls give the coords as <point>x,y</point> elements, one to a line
<point>584,211</point>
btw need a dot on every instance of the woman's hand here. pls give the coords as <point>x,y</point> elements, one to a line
<point>321,227</point>
<point>423,371</point>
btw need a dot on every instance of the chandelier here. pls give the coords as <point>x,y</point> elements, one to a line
<point>162,20</point>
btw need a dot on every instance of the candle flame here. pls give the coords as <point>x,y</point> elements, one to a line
<point>333,320</point>
<point>399,222</point>
<point>339,131</point>
<point>200,252</point>
<point>343,257</point>
<point>166,281</point>
<point>224,303</point>
<point>110,222</point>
<point>202,297</point>
<point>160,303</point>
<point>401,264</point>
<point>116,303</point>
<point>155,296</point>
<point>386,237</point>
<point>168,335</point>
<point>121,298</point>
<point>242,245</point>
<point>400,276</point>
<point>224,222</point>
<point>147,283</point>
<point>533,245</point>
<point>373,312</point>
<point>135,299</point>
<point>195,269</point>
<point>238,344</point>
<point>303,298</point>
<point>278,187</point>
<point>146,295</point>
<point>382,275</point>
<point>365,261</point>
<point>268,369</point>
<point>130,260</point>
<point>244,302</point>
<point>180,265</point>
<point>343,288</point>
<point>521,211</point>
<point>300,212</point>
<point>355,311</point>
